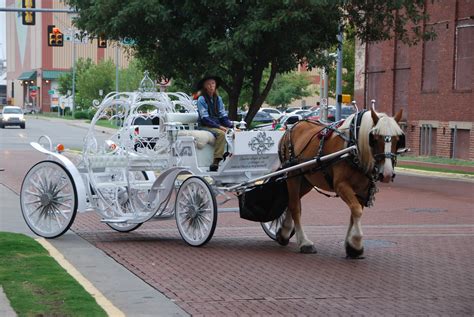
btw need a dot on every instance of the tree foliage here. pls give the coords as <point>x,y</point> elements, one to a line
<point>91,78</point>
<point>287,88</point>
<point>238,40</point>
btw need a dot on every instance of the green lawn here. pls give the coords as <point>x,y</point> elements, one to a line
<point>106,124</point>
<point>434,159</point>
<point>433,169</point>
<point>36,284</point>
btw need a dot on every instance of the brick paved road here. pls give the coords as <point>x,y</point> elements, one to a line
<point>419,255</point>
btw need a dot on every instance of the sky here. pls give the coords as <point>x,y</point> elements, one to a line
<point>3,39</point>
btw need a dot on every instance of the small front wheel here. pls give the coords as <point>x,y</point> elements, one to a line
<point>48,199</point>
<point>196,211</point>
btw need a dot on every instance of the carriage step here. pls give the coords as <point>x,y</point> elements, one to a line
<point>136,184</point>
<point>120,220</point>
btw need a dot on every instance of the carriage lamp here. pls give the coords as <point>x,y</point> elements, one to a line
<point>60,148</point>
<point>172,129</point>
<point>111,145</point>
<point>242,125</point>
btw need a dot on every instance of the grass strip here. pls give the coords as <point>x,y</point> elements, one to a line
<point>106,124</point>
<point>437,160</point>
<point>433,169</point>
<point>37,285</point>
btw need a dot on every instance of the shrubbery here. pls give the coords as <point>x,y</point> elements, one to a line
<point>84,114</point>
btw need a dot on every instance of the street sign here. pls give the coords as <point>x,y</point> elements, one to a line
<point>33,93</point>
<point>51,92</point>
<point>127,41</point>
<point>324,102</point>
<point>346,98</point>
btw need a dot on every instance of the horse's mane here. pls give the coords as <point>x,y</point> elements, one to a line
<point>385,126</point>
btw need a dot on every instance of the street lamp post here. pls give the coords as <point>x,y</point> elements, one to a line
<point>339,74</point>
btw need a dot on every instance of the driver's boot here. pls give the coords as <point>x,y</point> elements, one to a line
<point>215,165</point>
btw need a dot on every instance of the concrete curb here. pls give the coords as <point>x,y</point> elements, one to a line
<point>5,309</point>
<point>125,290</point>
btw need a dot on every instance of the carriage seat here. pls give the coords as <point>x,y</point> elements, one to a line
<point>190,120</point>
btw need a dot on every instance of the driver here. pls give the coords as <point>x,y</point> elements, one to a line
<point>212,116</point>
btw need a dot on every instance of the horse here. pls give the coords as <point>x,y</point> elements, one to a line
<point>378,138</point>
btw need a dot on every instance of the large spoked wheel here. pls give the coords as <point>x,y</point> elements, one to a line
<point>196,211</point>
<point>128,227</point>
<point>271,227</point>
<point>48,199</point>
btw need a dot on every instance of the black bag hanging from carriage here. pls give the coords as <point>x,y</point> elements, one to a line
<point>265,202</point>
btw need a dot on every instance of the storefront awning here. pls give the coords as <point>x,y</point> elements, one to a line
<point>53,74</point>
<point>31,75</point>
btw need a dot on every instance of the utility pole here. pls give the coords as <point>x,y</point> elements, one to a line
<point>117,79</point>
<point>73,104</point>
<point>339,73</point>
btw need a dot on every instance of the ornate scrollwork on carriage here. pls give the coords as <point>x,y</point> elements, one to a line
<point>261,143</point>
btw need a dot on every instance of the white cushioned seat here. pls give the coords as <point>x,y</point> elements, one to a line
<point>184,118</point>
<point>201,137</point>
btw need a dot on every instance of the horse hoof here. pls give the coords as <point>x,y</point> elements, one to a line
<point>279,238</point>
<point>353,253</point>
<point>308,249</point>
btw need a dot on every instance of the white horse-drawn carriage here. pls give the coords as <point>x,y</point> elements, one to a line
<point>129,180</point>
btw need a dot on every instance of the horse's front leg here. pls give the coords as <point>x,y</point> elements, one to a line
<point>353,242</point>
<point>295,192</point>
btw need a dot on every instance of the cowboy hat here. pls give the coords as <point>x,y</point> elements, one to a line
<point>200,84</point>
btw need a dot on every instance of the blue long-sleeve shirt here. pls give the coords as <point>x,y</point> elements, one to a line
<point>212,115</point>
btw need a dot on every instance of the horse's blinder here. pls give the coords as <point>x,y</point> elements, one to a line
<point>390,155</point>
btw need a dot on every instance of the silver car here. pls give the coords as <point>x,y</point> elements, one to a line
<point>12,115</point>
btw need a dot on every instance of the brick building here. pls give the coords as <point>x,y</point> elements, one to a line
<point>432,82</point>
<point>33,67</point>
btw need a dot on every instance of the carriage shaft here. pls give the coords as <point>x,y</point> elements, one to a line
<point>338,154</point>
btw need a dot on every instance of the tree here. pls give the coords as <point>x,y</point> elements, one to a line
<point>238,40</point>
<point>65,80</point>
<point>95,78</point>
<point>288,87</point>
<point>130,78</point>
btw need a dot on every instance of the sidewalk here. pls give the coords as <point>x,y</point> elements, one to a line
<point>80,124</point>
<point>125,290</point>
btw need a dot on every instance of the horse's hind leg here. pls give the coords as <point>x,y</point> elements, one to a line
<point>296,189</point>
<point>353,242</point>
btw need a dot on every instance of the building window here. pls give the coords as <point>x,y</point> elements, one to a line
<point>464,58</point>
<point>431,59</point>
<point>13,90</point>
<point>374,73</point>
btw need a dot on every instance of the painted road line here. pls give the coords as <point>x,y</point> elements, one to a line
<point>103,302</point>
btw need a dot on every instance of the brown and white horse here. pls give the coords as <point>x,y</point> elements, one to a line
<point>377,136</point>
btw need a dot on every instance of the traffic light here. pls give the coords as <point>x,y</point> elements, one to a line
<point>28,17</point>
<point>55,37</point>
<point>102,41</point>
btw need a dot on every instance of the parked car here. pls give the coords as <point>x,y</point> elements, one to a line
<point>287,121</point>
<point>145,130</point>
<point>261,117</point>
<point>12,115</point>
<point>316,114</point>
<point>346,111</point>
<point>302,112</point>
<point>292,109</point>
<point>275,113</point>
